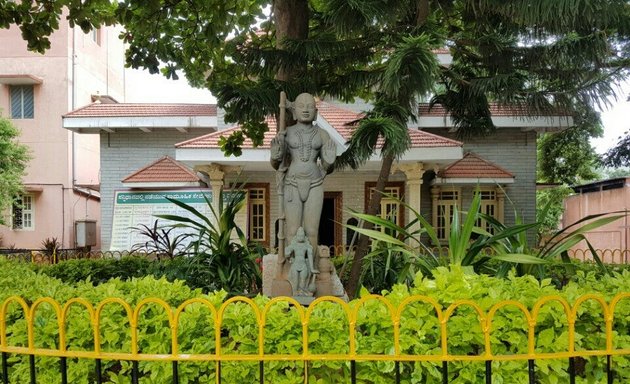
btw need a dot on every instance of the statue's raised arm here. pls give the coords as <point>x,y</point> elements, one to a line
<point>328,153</point>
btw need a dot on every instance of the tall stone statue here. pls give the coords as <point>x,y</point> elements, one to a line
<point>303,155</point>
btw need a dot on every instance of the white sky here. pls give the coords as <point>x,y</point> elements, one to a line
<point>143,87</point>
<point>616,120</point>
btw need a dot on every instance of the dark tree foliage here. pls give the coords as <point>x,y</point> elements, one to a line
<point>539,55</point>
<point>14,158</point>
<point>567,157</point>
<point>619,155</point>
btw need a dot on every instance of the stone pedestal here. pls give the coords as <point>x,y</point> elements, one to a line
<point>328,283</point>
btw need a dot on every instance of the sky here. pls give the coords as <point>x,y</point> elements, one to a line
<point>143,87</point>
<point>616,121</point>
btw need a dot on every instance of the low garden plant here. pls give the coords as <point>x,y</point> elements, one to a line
<point>220,253</point>
<point>328,330</point>
<point>160,241</point>
<point>399,252</point>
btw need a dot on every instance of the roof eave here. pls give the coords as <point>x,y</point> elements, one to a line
<point>146,124</point>
<point>537,123</point>
<point>472,180</point>
<point>162,184</point>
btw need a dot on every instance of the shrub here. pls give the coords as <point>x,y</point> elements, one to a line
<point>97,271</point>
<point>328,330</point>
<point>51,246</point>
<point>217,258</point>
<point>160,241</point>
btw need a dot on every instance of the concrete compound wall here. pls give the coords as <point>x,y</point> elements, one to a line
<point>613,236</point>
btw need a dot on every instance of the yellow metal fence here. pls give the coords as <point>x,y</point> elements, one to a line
<point>30,313</point>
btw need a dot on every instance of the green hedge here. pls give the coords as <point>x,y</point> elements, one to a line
<point>328,330</point>
<point>99,271</point>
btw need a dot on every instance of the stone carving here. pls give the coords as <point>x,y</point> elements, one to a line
<point>302,272</point>
<point>303,154</point>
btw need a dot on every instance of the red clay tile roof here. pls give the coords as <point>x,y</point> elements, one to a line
<point>495,110</point>
<point>165,169</point>
<point>342,120</point>
<point>422,139</point>
<point>339,118</point>
<point>143,110</point>
<point>471,166</point>
<point>211,140</point>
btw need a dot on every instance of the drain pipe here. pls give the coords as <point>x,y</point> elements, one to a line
<point>73,101</point>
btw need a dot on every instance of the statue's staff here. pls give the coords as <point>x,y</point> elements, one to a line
<point>280,175</point>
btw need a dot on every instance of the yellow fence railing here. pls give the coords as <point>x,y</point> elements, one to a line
<point>609,256</point>
<point>30,312</point>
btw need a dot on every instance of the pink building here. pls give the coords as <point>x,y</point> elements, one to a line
<point>612,241</point>
<point>35,91</point>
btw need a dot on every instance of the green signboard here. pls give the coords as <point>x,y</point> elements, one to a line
<point>133,208</point>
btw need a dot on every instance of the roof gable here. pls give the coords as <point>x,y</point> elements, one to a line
<point>163,170</point>
<point>472,166</point>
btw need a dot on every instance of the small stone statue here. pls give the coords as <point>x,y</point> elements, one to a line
<point>302,272</point>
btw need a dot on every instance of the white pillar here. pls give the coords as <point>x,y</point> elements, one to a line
<point>216,176</point>
<point>413,172</point>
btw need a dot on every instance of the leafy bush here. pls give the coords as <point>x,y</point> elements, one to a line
<point>99,271</point>
<point>328,330</point>
<point>217,258</point>
<point>549,209</point>
<point>159,241</point>
<point>562,273</point>
<point>51,246</point>
<point>401,251</point>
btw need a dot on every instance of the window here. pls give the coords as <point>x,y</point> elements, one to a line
<point>22,214</point>
<point>257,215</point>
<point>95,35</point>
<point>22,102</point>
<point>445,203</point>
<point>390,208</point>
<point>490,207</point>
<point>390,205</point>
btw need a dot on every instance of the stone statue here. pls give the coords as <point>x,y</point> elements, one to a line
<point>303,155</point>
<point>302,272</point>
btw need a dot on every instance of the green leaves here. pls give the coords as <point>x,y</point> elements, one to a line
<point>411,69</point>
<point>216,257</point>
<point>328,329</point>
<point>619,155</point>
<point>13,161</point>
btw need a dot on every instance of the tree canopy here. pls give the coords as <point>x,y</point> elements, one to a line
<point>619,155</point>
<point>567,157</point>
<point>542,53</point>
<point>539,55</point>
<point>13,160</point>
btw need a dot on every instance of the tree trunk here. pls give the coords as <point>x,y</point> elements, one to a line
<point>352,287</point>
<point>291,19</point>
<point>423,10</point>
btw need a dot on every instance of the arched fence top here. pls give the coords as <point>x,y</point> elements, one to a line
<point>260,311</point>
